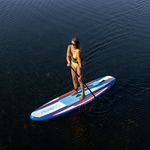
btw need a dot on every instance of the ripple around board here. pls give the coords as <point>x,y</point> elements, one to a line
<point>99,106</point>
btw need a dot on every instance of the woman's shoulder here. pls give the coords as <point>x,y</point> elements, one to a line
<point>78,50</point>
<point>69,45</point>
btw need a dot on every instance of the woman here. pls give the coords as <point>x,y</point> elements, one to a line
<point>76,63</point>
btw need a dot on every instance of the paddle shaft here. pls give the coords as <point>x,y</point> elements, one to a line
<point>84,83</point>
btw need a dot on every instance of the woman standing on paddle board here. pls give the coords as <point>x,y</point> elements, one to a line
<point>74,51</point>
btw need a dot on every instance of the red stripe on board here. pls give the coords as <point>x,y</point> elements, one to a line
<point>58,112</point>
<point>92,81</point>
<point>80,101</point>
<point>109,84</point>
<point>75,104</point>
<point>66,94</point>
<point>58,98</point>
<point>74,90</point>
<point>92,95</point>
<point>49,102</point>
<point>70,92</point>
<point>87,98</point>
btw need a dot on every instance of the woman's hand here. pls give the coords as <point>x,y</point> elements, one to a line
<point>80,66</point>
<point>69,64</point>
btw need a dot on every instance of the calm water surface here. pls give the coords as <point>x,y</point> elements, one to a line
<point>114,37</point>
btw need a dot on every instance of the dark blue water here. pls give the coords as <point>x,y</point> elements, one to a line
<point>114,37</point>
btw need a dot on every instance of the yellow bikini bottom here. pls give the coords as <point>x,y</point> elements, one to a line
<point>75,64</point>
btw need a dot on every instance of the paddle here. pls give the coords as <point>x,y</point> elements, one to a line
<point>84,83</point>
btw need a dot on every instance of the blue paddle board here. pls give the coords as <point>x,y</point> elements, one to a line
<point>67,103</point>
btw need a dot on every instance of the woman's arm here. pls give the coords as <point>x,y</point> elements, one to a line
<point>68,55</point>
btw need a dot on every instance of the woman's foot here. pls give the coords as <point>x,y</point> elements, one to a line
<point>82,96</point>
<point>75,92</point>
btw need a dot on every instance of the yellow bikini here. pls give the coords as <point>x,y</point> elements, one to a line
<point>74,59</point>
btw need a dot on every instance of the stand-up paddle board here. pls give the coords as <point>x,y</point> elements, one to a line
<point>67,103</point>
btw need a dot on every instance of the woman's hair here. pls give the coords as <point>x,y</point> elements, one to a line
<point>76,41</point>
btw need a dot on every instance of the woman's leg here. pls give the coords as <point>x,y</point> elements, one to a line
<point>74,79</point>
<point>80,73</point>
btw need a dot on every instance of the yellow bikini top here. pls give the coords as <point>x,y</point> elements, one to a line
<point>74,57</point>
